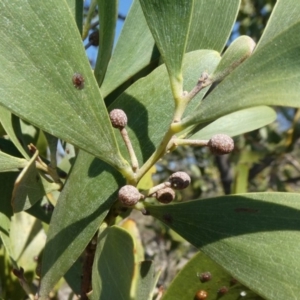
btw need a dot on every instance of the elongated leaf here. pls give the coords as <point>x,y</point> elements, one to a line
<point>113,266</point>
<point>247,235</point>
<point>122,67</point>
<point>28,188</point>
<point>12,126</point>
<point>27,238</point>
<point>7,183</point>
<point>39,210</point>
<point>269,77</point>
<point>108,14</point>
<point>238,122</point>
<point>76,7</point>
<point>211,25</point>
<point>82,206</point>
<point>131,227</point>
<point>238,51</point>
<point>10,163</point>
<point>284,15</point>
<point>40,52</point>
<point>195,276</point>
<point>241,179</point>
<point>169,22</point>
<point>146,280</point>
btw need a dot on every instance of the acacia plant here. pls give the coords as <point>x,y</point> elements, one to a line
<point>167,83</point>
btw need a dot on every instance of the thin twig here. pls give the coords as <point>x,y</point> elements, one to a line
<point>133,158</point>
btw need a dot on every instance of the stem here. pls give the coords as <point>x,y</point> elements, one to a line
<point>86,284</point>
<point>19,273</point>
<point>199,86</point>
<point>182,99</point>
<point>158,153</point>
<point>183,142</point>
<point>157,188</point>
<point>134,161</point>
<point>89,17</point>
<point>139,206</point>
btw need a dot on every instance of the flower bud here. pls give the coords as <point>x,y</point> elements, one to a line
<point>221,144</point>
<point>129,195</point>
<point>179,180</point>
<point>118,118</point>
<point>165,195</point>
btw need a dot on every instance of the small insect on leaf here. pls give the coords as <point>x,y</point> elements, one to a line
<point>78,81</point>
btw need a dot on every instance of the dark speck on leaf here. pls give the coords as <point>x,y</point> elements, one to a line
<point>78,81</point>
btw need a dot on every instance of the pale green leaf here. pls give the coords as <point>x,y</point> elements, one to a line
<point>108,15</point>
<point>211,25</point>
<point>137,42</point>
<point>241,179</point>
<point>285,14</point>
<point>271,76</point>
<point>255,237</point>
<point>27,239</point>
<point>239,122</point>
<point>28,188</point>
<point>76,7</point>
<point>113,266</point>
<point>12,126</point>
<point>238,51</point>
<point>40,51</point>
<point>169,22</point>
<point>146,280</point>
<point>11,163</point>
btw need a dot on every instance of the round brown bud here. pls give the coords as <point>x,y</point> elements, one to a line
<point>118,118</point>
<point>179,180</point>
<point>220,144</point>
<point>129,195</point>
<point>206,276</point>
<point>201,295</point>
<point>165,195</point>
<point>223,290</point>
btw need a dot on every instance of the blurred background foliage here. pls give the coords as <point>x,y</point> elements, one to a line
<point>263,160</point>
